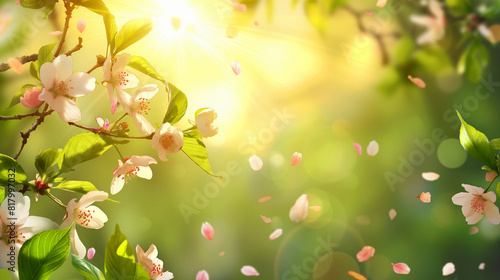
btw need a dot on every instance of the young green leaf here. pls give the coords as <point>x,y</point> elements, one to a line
<point>86,269</point>
<point>47,159</point>
<point>142,65</point>
<point>459,7</point>
<point>33,70</point>
<point>83,147</point>
<point>76,186</point>
<point>495,143</point>
<point>45,55</point>
<point>35,4</point>
<point>195,149</point>
<point>11,172</point>
<point>16,98</point>
<point>177,106</point>
<point>42,254</point>
<point>477,144</point>
<point>2,194</point>
<point>131,32</point>
<point>119,260</point>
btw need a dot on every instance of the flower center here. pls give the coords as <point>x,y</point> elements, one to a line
<point>477,204</point>
<point>167,141</point>
<point>143,106</point>
<point>9,235</point>
<point>83,217</point>
<point>157,270</point>
<point>123,78</point>
<point>60,89</point>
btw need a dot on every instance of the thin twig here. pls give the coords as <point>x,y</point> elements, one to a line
<point>69,10</point>
<point>18,117</point>
<point>24,59</point>
<point>26,134</point>
<point>107,133</point>
<point>76,48</point>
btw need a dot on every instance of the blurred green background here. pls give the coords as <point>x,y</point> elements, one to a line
<point>299,91</point>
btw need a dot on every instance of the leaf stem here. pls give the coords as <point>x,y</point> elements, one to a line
<point>490,184</point>
<point>55,199</point>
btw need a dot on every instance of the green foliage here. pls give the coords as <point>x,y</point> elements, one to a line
<point>177,105</point>
<point>9,166</point>
<point>81,148</point>
<point>316,15</point>
<point>2,194</point>
<point>195,149</point>
<point>47,159</point>
<point>495,143</point>
<point>119,260</point>
<point>404,50</point>
<point>473,59</point>
<point>142,65</point>
<point>16,98</point>
<point>477,144</point>
<point>86,269</point>
<point>432,59</point>
<point>44,55</point>
<point>131,32</point>
<point>37,4</point>
<point>459,7</point>
<point>42,254</point>
<point>76,186</point>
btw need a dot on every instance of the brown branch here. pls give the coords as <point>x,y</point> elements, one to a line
<point>24,59</point>
<point>69,10</point>
<point>107,133</point>
<point>26,134</point>
<point>76,48</point>
<point>18,117</point>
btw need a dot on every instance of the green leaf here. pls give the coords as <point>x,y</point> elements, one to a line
<point>195,149</point>
<point>47,159</point>
<point>98,7</point>
<point>459,7</point>
<point>177,106</point>
<point>473,59</point>
<point>404,50</point>
<point>477,144</point>
<point>45,55</point>
<point>42,254</point>
<point>33,70</point>
<point>49,8</point>
<point>76,186</point>
<point>142,65</point>
<point>86,269</point>
<point>199,111</point>
<point>498,190</point>
<point>119,260</point>
<point>131,32</point>
<point>495,143</point>
<point>35,4</point>
<point>10,169</point>
<point>2,194</point>
<point>16,98</point>
<point>81,148</point>
<point>315,15</point>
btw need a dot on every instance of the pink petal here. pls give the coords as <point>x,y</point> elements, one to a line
<point>448,269</point>
<point>368,13</point>
<point>15,65</point>
<point>372,148</point>
<point>481,266</point>
<point>490,176</point>
<point>239,6</point>
<point>473,230</point>
<point>401,268</point>
<point>296,158</point>
<point>425,197</point>
<point>381,3</point>
<point>207,230</point>
<point>80,25</point>
<point>298,212</point>
<point>430,176</point>
<point>17,2</point>
<point>265,219</point>
<point>315,208</point>
<point>90,253</point>
<point>392,214</point>
<point>202,275</point>
<point>232,31</point>
<point>114,106</point>
<point>256,23</point>
<point>358,148</point>
<point>249,270</point>
<point>222,253</point>
<point>277,233</point>
<point>365,253</point>
<point>417,81</point>
<point>55,33</point>
<point>236,67</point>
<point>264,199</point>
<point>356,275</point>
<point>255,162</point>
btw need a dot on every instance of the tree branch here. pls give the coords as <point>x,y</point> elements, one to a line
<point>69,10</point>
<point>18,117</point>
<point>107,133</point>
<point>76,48</point>
<point>26,134</point>
<point>24,59</point>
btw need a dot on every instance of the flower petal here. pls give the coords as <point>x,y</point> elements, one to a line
<point>381,3</point>
<point>22,206</point>
<point>490,176</point>
<point>473,230</point>
<point>448,268</point>
<point>34,225</point>
<point>117,184</point>
<point>15,65</point>
<point>48,75</point>
<point>430,176</point>
<point>425,197</point>
<point>491,212</point>
<point>417,81</point>
<point>401,268</point>
<point>277,233</point>
<point>143,126</point>
<point>91,197</point>
<point>91,251</point>
<point>64,67</point>
<point>55,33</point>
<point>264,199</point>
<point>249,270</point>
<point>372,148</point>
<point>255,162</point>
<point>474,218</point>
<point>235,65</point>
<point>80,84</point>
<point>90,217</point>
<point>473,189</point>
<point>365,253</point>
<point>120,63</point>
<point>356,275</point>
<point>392,214</point>
<point>146,92</point>
<point>144,172</point>
<point>296,158</point>
<point>77,246</point>
<point>80,25</point>
<point>298,212</point>
<point>462,198</point>
<point>358,148</point>
<point>207,230</point>
<point>202,275</point>
<point>265,219</point>
<point>66,108</point>
<point>490,196</point>
<point>481,266</point>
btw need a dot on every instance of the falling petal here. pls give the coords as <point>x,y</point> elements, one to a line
<point>372,148</point>
<point>381,3</point>
<point>490,176</point>
<point>256,23</point>
<point>80,25</point>
<point>401,268</point>
<point>221,254</point>
<point>315,208</point>
<point>114,106</point>
<point>15,65</point>
<point>430,176</point>
<point>232,31</point>
<point>249,270</point>
<point>298,212</point>
<point>448,269</point>
<point>255,162</point>
<point>55,33</point>
<point>277,233</point>
<point>356,275</point>
<point>368,13</point>
<point>202,275</point>
<point>417,81</point>
<point>239,6</point>
<point>425,197</point>
<point>207,230</point>
<point>265,219</point>
<point>90,253</point>
<point>473,230</point>
<point>392,214</point>
<point>481,266</point>
<point>236,67</point>
<point>358,148</point>
<point>264,199</point>
<point>296,158</point>
<point>365,253</point>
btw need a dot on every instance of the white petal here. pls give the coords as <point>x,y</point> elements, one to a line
<point>490,196</point>
<point>147,92</point>
<point>473,189</point>
<point>130,80</point>
<point>491,212</point>
<point>255,162</point>
<point>66,108</point>
<point>467,209</point>
<point>35,224</point>
<point>430,176</point>
<point>372,148</point>
<point>277,233</point>
<point>48,75</point>
<point>90,217</point>
<point>80,84</point>
<point>64,67</point>
<point>121,62</point>
<point>427,37</point>
<point>91,197</point>
<point>77,246</point>
<point>22,208</point>
<point>143,126</point>
<point>117,184</point>
<point>448,269</point>
<point>145,172</point>
<point>474,218</point>
<point>436,9</point>
<point>106,68</point>
<point>142,160</point>
<point>462,198</point>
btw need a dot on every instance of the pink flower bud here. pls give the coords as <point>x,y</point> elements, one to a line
<point>30,98</point>
<point>296,158</point>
